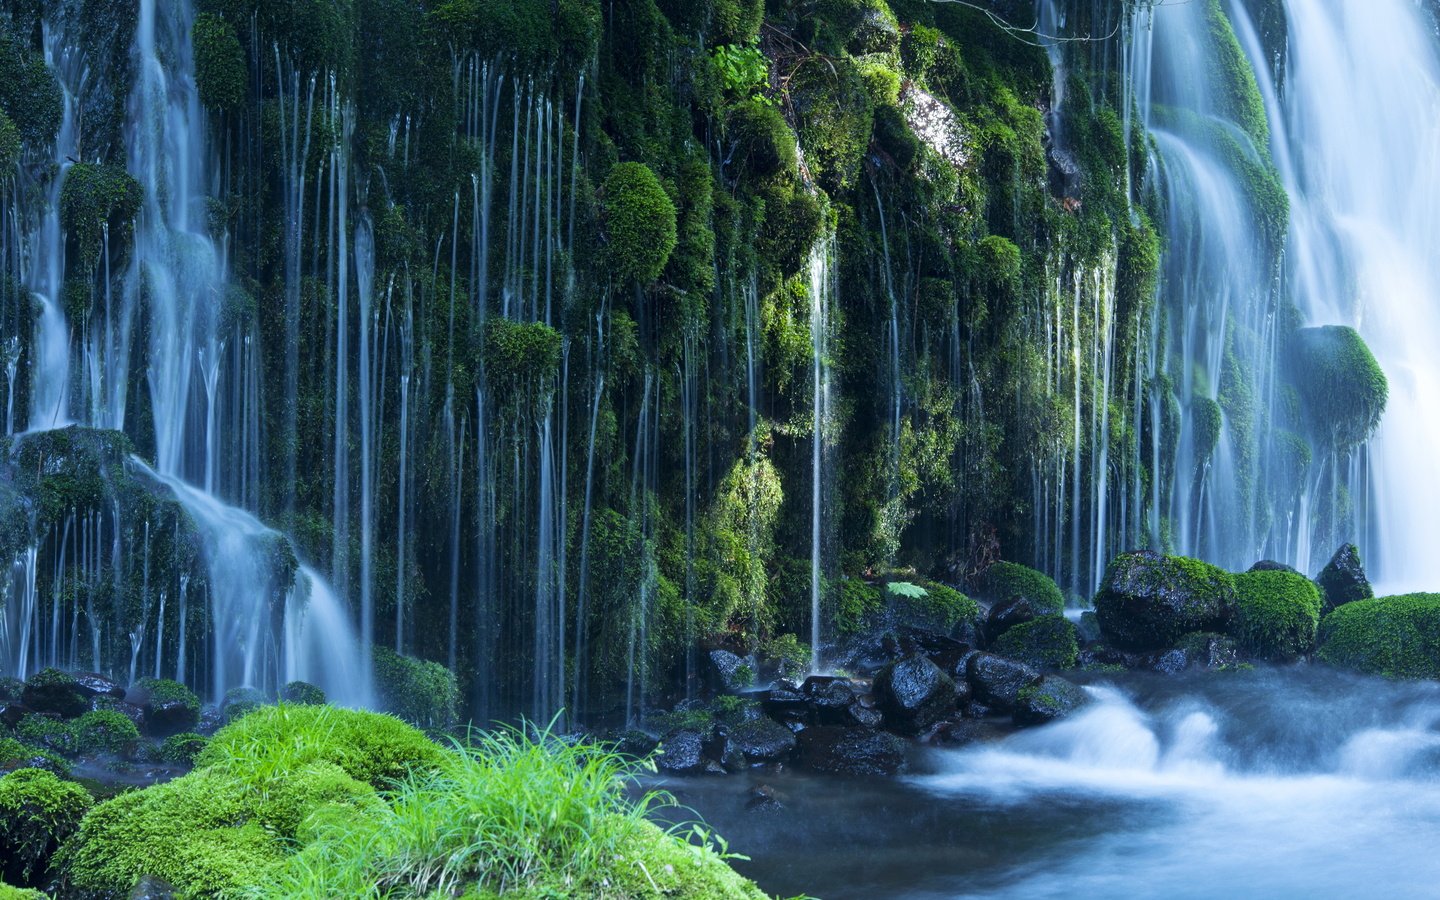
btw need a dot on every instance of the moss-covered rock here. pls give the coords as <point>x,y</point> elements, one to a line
<point>1398,637</point>
<point>303,693</point>
<point>1341,386</point>
<point>16,754</point>
<point>419,691</point>
<point>37,812</point>
<point>1005,581</point>
<point>1343,579</point>
<point>10,145</point>
<point>520,357</point>
<point>47,733</point>
<point>181,749</point>
<point>1046,642</point>
<point>1148,601</point>
<point>764,143</point>
<point>104,731</point>
<point>54,692</point>
<point>93,196</point>
<point>29,93</point>
<point>639,222</point>
<point>170,707</point>
<point>1046,699</point>
<point>220,72</point>
<point>1276,614</point>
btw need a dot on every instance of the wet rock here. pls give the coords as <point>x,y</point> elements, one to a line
<point>1007,614</point>
<point>636,743</point>
<point>763,799</point>
<point>1343,579</point>
<point>1045,642</point>
<point>128,710</point>
<point>1270,565</point>
<point>1088,628</point>
<point>1166,662</point>
<point>712,767</point>
<point>914,694</point>
<point>865,716</point>
<point>942,650</point>
<point>1046,700</point>
<point>1103,657</point>
<point>997,681</point>
<point>1148,601</point>
<point>210,721</point>
<point>975,710</point>
<point>54,692</point>
<point>1212,651</point>
<point>828,698</point>
<point>760,741</point>
<point>780,701</point>
<point>851,751</point>
<point>93,685</point>
<point>954,733</point>
<point>732,672</point>
<point>682,753</point>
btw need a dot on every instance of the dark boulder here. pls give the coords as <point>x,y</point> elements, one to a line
<point>759,741</point>
<point>732,672</point>
<point>914,694</point>
<point>865,716</point>
<point>1046,700</point>
<point>92,685</point>
<point>997,681</point>
<point>1047,642</point>
<point>682,753</point>
<point>783,700</point>
<point>1270,565</point>
<point>12,713</point>
<point>954,733</point>
<point>55,693</point>
<point>170,707</point>
<point>763,799</point>
<point>1343,579</point>
<point>942,650</point>
<point>851,751</point>
<point>152,888</point>
<point>1006,614</point>
<point>1148,601</point>
<point>828,698</point>
<point>1165,662</point>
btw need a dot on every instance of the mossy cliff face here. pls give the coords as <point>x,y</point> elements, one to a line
<point>527,307</point>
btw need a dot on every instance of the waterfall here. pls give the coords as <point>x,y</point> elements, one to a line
<point>822,258</point>
<point>1357,135</point>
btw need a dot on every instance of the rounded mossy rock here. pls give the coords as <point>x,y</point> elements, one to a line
<point>220,71</point>
<point>639,222</point>
<point>54,692</point>
<point>1047,642</point>
<point>421,692</point>
<point>764,143</point>
<point>1147,601</point>
<point>38,811</point>
<point>107,732</point>
<point>54,735</point>
<point>240,702</point>
<point>1276,614</point>
<point>1341,386</point>
<point>16,754</point>
<point>170,707</point>
<point>181,749</point>
<point>1398,637</point>
<point>303,693</point>
<point>928,605</point>
<point>1005,581</point>
<point>1343,579</point>
<point>93,196</point>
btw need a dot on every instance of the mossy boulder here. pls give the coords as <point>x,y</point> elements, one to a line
<point>303,693</point>
<point>10,145</point>
<point>421,692</point>
<point>45,732</point>
<point>1341,386</point>
<point>1343,579</point>
<point>29,94</point>
<point>914,694</point>
<point>1047,699</point>
<point>37,812</point>
<point>16,754</point>
<point>94,195</point>
<point>220,72</point>
<point>764,143</point>
<point>106,732</point>
<point>1004,581</point>
<point>1398,637</point>
<point>929,606</point>
<point>240,702</point>
<point>1046,642</point>
<point>181,749</point>
<point>7,892</point>
<point>1147,601</point>
<point>639,222</point>
<point>1276,614</point>
<point>170,707</point>
<point>56,693</point>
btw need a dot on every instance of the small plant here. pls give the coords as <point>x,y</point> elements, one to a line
<point>744,72</point>
<point>793,656</point>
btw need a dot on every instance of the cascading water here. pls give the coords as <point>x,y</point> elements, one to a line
<point>1357,134</point>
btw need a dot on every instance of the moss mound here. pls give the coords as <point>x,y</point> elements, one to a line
<point>106,731</point>
<point>95,195</point>
<point>1148,601</point>
<point>1007,580</point>
<point>1047,642</point>
<point>1398,637</point>
<point>1341,385</point>
<point>420,692</point>
<point>37,812</point>
<point>1276,614</point>
<point>640,222</point>
<point>220,71</point>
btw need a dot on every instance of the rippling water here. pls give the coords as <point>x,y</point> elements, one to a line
<point>1281,783</point>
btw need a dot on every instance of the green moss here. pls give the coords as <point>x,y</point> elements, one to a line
<point>835,115</point>
<point>165,691</point>
<point>520,357</point>
<point>893,135</point>
<point>933,607</point>
<point>1004,581</point>
<point>792,222</point>
<point>735,21</point>
<point>1206,416</point>
<point>51,734</point>
<point>37,812</point>
<point>1277,613</point>
<point>181,749</point>
<point>29,93</point>
<point>303,693</point>
<point>1398,637</point>
<point>538,34</point>
<point>220,72</point>
<point>639,222</point>
<point>18,755</point>
<point>419,691</point>
<point>1046,642</point>
<point>10,145</point>
<point>106,731</point>
<point>369,747</point>
<point>855,602</point>
<point>765,145</point>
<point>1234,78</point>
<point>1341,386</point>
<point>790,656</point>
<point>13,893</point>
<point>93,196</point>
